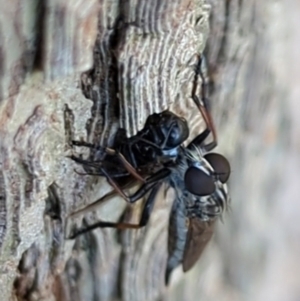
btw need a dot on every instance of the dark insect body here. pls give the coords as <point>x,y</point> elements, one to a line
<point>158,142</point>
<point>156,156</point>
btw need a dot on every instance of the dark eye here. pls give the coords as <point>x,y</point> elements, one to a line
<point>220,165</point>
<point>199,183</point>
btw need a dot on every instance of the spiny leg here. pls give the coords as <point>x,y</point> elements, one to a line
<point>143,221</point>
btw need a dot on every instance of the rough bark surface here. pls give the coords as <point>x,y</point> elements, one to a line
<point>81,69</point>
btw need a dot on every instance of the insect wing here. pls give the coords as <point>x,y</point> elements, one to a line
<point>199,234</point>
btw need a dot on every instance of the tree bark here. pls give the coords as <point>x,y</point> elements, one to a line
<point>77,69</point>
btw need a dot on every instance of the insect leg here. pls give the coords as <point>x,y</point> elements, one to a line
<point>200,139</point>
<point>150,183</point>
<point>146,141</point>
<point>131,170</point>
<point>204,110</point>
<point>116,174</point>
<point>99,166</point>
<point>94,205</point>
<point>85,144</point>
<point>95,164</point>
<point>131,155</point>
<point>126,164</point>
<point>143,221</point>
<point>89,145</point>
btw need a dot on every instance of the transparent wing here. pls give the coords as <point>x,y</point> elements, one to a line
<point>199,234</point>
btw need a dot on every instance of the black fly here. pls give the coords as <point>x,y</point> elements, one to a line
<point>154,156</point>
<point>158,142</point>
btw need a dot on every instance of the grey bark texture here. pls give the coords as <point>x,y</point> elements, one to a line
<point>81,69</point>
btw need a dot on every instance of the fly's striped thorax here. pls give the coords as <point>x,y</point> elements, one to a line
<point>210,206</point>
<point>214,205</point>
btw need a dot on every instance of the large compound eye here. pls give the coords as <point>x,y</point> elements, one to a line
<point>220,165</point>
<point>199,183</point>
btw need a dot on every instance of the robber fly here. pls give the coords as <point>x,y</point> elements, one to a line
<point>197,177</point>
